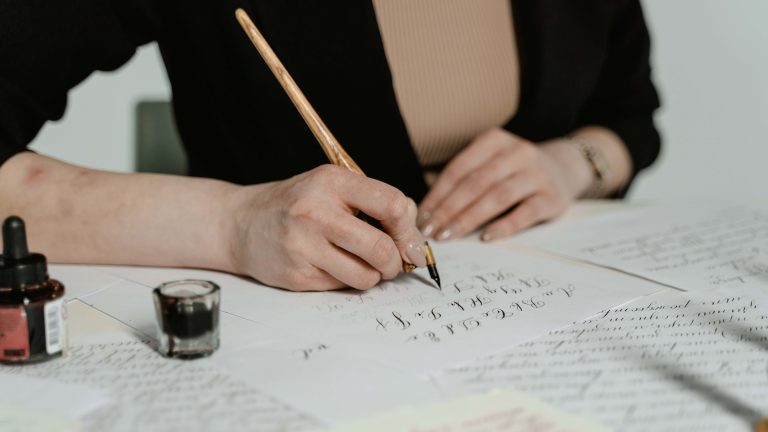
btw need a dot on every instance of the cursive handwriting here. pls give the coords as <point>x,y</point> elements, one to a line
<point>157,394</point>
<point>691,247</point>
<point>672,362</point>
<point>473,302</point>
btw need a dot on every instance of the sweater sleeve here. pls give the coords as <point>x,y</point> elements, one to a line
<point>48,47</point>
<point>625,98</point>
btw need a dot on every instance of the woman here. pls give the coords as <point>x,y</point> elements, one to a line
<point>526,104</point>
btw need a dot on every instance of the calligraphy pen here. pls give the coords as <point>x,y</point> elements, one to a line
<point>332,148</point>
<point>761,425</point>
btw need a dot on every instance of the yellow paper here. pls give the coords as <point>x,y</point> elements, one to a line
<point>507,411</point>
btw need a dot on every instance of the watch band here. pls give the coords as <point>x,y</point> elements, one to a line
<point>600,168</point>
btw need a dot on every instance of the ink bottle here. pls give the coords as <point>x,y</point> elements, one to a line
<point>32,325</point>
<point>188,318</point>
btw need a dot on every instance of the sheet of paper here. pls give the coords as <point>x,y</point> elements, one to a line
<point>151,393</point>
<point>491,299</point>
<point>24,418</point>
<point>80,280</point>
<point>88,326</point>
<point>693,246</point>
<point>291,367</point>
<point>327,384</point>
<point>670,362</point>
<point>34,404</point>
<point>132,304</point>
<point>507,411</point>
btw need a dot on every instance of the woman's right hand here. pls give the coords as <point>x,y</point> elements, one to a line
<point>302,233</point>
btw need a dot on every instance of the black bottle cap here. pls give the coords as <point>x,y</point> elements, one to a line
<point>18,267</point>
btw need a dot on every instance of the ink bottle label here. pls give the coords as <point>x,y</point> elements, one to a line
<point>14,334</point>
<point>54,326</point>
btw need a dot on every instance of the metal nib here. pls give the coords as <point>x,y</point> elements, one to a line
<point>432,265</point>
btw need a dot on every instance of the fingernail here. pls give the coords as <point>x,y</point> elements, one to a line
<point>428,230</point>
<point>490,235</point>
<point>444,234</point>
<point>416,255</point>
<point>424,216</point>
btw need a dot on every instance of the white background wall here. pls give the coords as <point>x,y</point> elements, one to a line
<point>98,127</point>
<point>711,60</point>
<point>711,63</point>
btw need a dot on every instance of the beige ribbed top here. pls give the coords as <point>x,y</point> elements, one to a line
<point>454,67</point>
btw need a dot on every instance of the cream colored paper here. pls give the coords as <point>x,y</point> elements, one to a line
<point>507,411</point>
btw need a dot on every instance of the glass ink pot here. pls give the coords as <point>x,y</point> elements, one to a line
<point>188,318</point>
<point>32,325</point>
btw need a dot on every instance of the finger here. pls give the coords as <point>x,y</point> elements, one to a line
<point>395,212</point>
<point>320,281</point>
<point>530,212</point>
<point>344,267</point>
<point>491,204</point>
<point>366,242</point>
<point>475,155</point>
<point>300,272</point>
<point>401,227</point>
<point>466,161</point>
<point>309,278</point>
<point>503,166</point>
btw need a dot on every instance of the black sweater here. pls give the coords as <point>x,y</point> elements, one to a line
<point>582,63</point>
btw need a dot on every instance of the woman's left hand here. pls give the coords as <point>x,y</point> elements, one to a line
<point>498,172</point>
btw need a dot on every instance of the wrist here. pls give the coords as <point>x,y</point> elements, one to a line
<point>569,161</point>
<point>608,158</point>
<point>241,210</point>
<point>230,218</point>
<point>601,172</point>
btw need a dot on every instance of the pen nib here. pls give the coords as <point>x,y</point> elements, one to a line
<point>432,265</point>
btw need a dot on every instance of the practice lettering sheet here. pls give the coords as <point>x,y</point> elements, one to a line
<point>491,299</point>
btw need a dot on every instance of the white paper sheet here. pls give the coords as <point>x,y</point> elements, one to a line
<point>80,280</point>
<point>291,367</point>
<point>34,404</point>
<point>132,304</point>
<point>152,393</point>
<point>491,299</point>
<point>670,362</point>
<point>507,411</point>
<point>699,247</point>
<point>331,386</point>
<point>16,417</point>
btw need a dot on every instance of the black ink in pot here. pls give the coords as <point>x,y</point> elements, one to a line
<point>188,318</point>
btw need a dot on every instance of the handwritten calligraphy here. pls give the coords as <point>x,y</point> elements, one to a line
<point>491,299</point>
<point>469,303</point>
<point>669,362</point>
